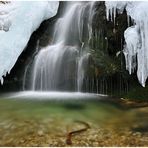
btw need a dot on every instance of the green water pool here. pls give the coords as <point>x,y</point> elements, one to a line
<point>30,122</point>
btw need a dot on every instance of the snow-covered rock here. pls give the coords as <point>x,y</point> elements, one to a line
<point>18,20</point>
<point>136,37</point>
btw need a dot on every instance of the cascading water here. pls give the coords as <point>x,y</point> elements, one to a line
<point>61,65</point>
<point>53,66</point>
<point>82,66</point>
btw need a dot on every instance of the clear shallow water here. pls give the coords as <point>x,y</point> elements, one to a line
<point>25,121</point>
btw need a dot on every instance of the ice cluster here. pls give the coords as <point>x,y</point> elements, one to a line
<point>18,20</point>
<point>136,36</point>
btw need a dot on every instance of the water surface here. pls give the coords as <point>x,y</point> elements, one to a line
<point>28,121</point>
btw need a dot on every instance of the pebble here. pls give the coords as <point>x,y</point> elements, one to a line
<point>40,133</point>
<point>93,137</point>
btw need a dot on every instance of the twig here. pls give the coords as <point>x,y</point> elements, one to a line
<point>70,134</point>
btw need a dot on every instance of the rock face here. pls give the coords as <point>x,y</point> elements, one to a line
<point>108,38</point>
<point>106,72</point>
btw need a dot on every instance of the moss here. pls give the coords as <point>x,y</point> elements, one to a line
<point>138,93</point>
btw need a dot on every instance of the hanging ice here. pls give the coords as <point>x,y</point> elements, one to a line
<point>136,37</point>
<point>132,39</point>
<point>18,20</point>
<point>111,8</point>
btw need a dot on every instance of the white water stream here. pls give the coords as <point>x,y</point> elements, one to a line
<point>60,65</point>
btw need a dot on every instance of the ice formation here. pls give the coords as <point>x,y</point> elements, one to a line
<point>18,20</point>
<point>136,37</point>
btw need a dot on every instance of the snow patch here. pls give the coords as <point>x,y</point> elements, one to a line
<point>18,20</point>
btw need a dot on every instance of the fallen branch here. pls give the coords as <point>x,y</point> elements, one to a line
<point>70,134</point>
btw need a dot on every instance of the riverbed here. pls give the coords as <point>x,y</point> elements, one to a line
<point>47,122</point>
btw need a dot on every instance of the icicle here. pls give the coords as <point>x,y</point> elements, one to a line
<point>136,37</point>
<point>128,20</point>
<point>2,80</point>
<point>114,14</point>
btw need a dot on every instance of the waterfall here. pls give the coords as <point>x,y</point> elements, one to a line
<point>61,65</point>
<point>52,68</point>
<point>82,66</point>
